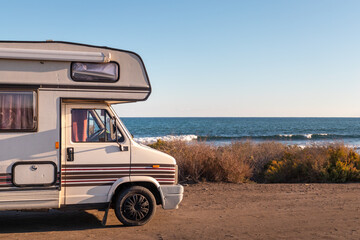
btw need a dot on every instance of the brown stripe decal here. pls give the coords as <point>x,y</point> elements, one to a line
<point>106,174</point>
<point>86,184</point>
<point>5,174</point>
<point>117,172</point>
<point>82,177</point>
<point>95,173</point>
<point>116,165</point>
<point>6,185</point>
<point>156,176</point>
<point>152,171</point>
<point>11,188</point>
<point>150,165</point>
<point>5,180</point>
<point>94,177</point>
<point>95,165</point>
<point>2,180</point>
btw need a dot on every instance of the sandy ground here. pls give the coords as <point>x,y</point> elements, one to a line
<point>214,211</point>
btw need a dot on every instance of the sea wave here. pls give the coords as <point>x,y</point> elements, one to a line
<point>280,137</point>
<point>308,136</point>
<point>149,140</point>
<point>227,138</point>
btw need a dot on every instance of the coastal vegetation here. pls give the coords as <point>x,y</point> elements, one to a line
<point>266,162</point>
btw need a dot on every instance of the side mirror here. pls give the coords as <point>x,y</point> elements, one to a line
<point>113,129</point>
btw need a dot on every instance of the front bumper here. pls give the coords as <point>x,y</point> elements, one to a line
<point>171,196</point>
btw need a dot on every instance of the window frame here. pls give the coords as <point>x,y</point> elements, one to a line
<point>36,112</point>
<point>96,81</point>
<point>123,139</point>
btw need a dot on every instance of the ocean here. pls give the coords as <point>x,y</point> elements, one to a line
<point>219,131</point>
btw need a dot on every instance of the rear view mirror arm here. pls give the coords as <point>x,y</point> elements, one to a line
<point>115,132</point>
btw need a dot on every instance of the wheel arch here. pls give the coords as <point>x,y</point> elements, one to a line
<point>148,182</point>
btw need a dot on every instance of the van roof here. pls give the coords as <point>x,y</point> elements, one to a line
<point>47,64</point>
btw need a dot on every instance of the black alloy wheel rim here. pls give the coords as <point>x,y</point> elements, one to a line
<point>136,207</point>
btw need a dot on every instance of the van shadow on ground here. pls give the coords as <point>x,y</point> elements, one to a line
<point>25,222</point>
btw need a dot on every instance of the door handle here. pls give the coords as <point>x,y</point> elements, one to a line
<point>70,154</point>
<point>123,148</point>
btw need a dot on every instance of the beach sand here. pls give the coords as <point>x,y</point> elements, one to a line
<point>214,211</point>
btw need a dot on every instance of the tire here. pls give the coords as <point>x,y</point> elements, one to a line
<point>135,206</point>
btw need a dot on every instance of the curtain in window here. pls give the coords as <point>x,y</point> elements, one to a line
<point>79,125</point>
<point>16,110</point>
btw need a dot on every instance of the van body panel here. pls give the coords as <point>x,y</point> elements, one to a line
<point>29,199</point>
<point>19,148</point>
<point>146,155</point>
<point>150,162</point>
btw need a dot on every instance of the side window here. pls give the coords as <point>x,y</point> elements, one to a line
<point>95,72</point>
<point>18,110</point>
<point>91,125</point>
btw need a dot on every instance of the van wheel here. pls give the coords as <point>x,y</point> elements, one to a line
<point>135,206</point>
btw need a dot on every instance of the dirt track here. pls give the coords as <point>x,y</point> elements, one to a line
<point>214,211</point>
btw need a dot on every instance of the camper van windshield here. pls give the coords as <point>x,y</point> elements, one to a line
<point>18,110</point>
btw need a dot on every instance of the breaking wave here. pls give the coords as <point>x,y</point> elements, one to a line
<point>282,137</point>
<point>149,140</point>
<point>278,137</point>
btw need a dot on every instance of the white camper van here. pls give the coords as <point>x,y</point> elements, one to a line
<point>61,143</point>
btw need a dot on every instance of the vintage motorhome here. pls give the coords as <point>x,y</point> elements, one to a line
<point>61,143</point>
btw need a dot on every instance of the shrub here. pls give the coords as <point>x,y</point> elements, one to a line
<point>332,163</point>
<point>262,162</point>
<point>194,161</point>
<point>343,165</point>
<point>298,165</point>
<point>201,161</point>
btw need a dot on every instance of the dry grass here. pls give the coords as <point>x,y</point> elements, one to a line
<point>262,162</point>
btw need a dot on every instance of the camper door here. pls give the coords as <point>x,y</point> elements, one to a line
<point>92,160</point>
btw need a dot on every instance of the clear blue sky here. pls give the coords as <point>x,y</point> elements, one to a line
<point>217,58</point>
